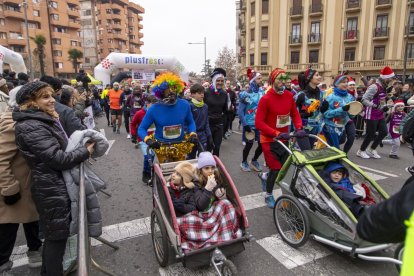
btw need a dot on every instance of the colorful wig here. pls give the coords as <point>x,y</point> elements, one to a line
<point>167,80</point>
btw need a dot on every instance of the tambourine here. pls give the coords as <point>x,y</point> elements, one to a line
<point>355,108</point>
<point>250,135</point>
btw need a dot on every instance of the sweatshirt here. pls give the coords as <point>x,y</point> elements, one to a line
<point>217,105</point>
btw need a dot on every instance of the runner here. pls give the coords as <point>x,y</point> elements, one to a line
<point>249,101</point>
<point>273,118</point>
<point>115,107</point>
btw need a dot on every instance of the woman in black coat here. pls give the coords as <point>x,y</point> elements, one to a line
<point>42,140</point>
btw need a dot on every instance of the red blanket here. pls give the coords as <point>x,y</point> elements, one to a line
<point>201,229</point>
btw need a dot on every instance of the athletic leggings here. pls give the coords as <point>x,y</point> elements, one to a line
<point>248,147</point>
<point>372,127</point>
<point>217,134</point>
<point>126,120</point>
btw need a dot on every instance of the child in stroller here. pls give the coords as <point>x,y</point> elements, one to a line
<point>337,177</point>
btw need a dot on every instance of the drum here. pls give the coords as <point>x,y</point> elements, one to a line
<point>355,108</point>
<point>250,135</point>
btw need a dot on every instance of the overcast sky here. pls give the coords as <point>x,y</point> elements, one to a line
<point>170,24</point>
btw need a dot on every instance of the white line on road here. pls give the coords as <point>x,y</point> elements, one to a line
<point>377,171</point>
<point>111,142</point>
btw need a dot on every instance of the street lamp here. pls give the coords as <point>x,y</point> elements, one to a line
<point>205,53</point>
<point>24,5</point>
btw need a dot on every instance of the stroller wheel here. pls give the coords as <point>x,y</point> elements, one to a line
<point>291,221</point>
<point>160,240</point>
<point>228,268</point>
<point>398,254</point>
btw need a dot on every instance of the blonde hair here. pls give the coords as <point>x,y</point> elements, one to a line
<point>31,102</point>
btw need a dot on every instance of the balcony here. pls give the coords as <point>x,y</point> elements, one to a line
<point>117,26</point>
<point>315,10</point>
<point>351,36</point>
<point>74,24</point>
<point>409,31</point>
<point>381,33</point>
<point>73,12</point>
<point>140,26</point>
<point>13,2</point>
<point>73,2</point>
<point>13,14</point>
<point>263,69</point>
<point>300,67</point>
<point>117,16</point>
<point>296,12</point>
<point>295,40</point>
<point>353,6</point>
<point>120,36</point>
<point>314,38</point>
<point>140,35</point>
<point>383,4</point>
<point>371,65</point>
<point>17,41</point>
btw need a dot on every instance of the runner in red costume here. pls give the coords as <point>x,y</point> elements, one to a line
<point>274,114</point>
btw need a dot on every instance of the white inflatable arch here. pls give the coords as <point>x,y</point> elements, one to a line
<point>15,60</point>
<point>114,61</point>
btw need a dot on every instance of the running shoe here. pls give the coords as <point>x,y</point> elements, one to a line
<point>394,156</point>
<point>263,178</point>
<point>362,154</point>
<point>255,166</point>
<point>118,131</point>
<point>129,136</point>
<point>35,258</point>
<point>245,167</point>
<point>114,128</point>
<point>373,153</point>
<point>410,170</point>
<point>270,201</point>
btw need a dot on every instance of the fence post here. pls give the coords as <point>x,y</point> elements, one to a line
<point>83,235</point>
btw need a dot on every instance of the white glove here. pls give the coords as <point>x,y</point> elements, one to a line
<point>211,183</point>
<point>220,193</point>
<point>359,190</point>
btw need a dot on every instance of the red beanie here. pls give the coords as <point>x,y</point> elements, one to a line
<point>387,73</point>
<point>273,75</point>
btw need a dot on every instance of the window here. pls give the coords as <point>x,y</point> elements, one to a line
<point>313,56</point>
<point>265,31</point>
<point>253,9</point>
<point>1,7</point>
<point>58,65</point>
<point>73,43</point>
<point>87,60</point>
<point>87,12</point>
<point>53,4</point>
<point>14,35</point>
<point>110,40</point>
<point>352,4</point>
<point>59,29</point>
<point>36,1</point>
<point>54,16</point>
<point>36,13</point>
<point>295,33</point>
<point>57,53</point>
<point>263,59</point>
<point>351,28</point>
<point>1,21</point>
<point>315,32</point>
<point>56,41</point>
<point>33,25</point>
<point>12,8</point>
<point>411,23</point>
<point>294,57</point>
<point>251,59</point>
<point>3,35</point>
<point>381,26</point>
<point>349,54</point>
<point>18,49</point>
<point>252,34</point>
<point>131,19</point>
<point>410,50</point>
<point>379,52</point>
<point>108,11</point>
<point>265,6</point>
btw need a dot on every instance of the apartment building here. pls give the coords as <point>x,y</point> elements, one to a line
<point>332,36</point>
<point>59,21</point>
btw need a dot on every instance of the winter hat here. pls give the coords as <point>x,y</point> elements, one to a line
<point>305,77</point>
<point>186,171</point>
<point>22,76</point>
<point>252,75</point>
<point>28,90</point>
<point>387,73</point>
<point>338,79</point>
<point>295,83</point>
<point>398,103</point>
<point>55,83</point>
<point>351,82</point>
<point>217,73</point>
<point>205,159</point>
<point>274,74</point>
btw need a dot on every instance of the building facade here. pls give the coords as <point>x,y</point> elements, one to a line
<point>331,36</point>
<point>116,24</point>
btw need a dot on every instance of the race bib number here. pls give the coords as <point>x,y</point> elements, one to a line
<point>282,121</point>
<point>171,132</point>
<point>137,105</point>
<point>151,128</point>
<point>396,129</point>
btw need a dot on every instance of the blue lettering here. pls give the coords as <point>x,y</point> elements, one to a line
<point>126,60</point>
<point>146,61</point>
<point>135,60</point>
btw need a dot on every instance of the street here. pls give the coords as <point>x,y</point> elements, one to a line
<point>126,219</point>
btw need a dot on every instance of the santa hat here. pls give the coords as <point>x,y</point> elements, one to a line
<point>252,75</point>
<point>387,73</point>
<point>351,81</point>
<point>398,103</point>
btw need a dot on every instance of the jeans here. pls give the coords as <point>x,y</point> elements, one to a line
<point>372,127</point>
<point>332,136</point>
<point>395,146</point>
<point>143,148</point>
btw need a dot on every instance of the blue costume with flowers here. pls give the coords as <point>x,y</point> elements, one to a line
<point>248,104</point>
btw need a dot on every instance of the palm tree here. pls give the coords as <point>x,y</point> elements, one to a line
<point>74,55</point>
<point>40,41</point>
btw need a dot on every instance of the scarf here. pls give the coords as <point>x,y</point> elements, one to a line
<point>197,103</point>
<point>339,92</point>
<point>312,93</point>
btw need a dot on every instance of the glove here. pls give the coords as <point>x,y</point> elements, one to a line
<point>385,109</point>
<point>301,133</point>
<point>210,142</point>
<point>346,107</point>
<point>10,200</point>
<point>247,128</point>
<point>193,139</point>
<point>153,144</point>
<point>324,107</point>
<point>134,139</point>
<point>211,183</point>
<point>220,193</point>
<point>374,106</point>
<point>283,136</point>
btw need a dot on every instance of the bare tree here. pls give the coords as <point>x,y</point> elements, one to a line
<point>226,59</point>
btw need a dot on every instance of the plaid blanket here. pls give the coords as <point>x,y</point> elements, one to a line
<point>201,229</point>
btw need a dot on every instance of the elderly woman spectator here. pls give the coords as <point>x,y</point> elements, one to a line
<point>42,140</point>
<point>16,204</point>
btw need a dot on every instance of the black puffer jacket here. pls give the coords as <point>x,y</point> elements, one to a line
<point>43,144</point>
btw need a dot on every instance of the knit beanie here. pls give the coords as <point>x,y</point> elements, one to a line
<point>55,83</point>
<point>28,90</point>
<point>206,159</point>
<point>338,79</point>
<point>22,76</point>
<point>186,171</point>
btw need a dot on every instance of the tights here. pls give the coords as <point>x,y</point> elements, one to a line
<point>247,149</point>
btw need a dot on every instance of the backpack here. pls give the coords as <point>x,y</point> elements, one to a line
<point>408,130</point>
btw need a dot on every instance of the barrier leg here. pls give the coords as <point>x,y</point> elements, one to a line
<point>108,243</point>
<point>100,268</point>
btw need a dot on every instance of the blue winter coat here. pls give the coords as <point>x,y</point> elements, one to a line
<point>248,104</point>
<point>335,116</point>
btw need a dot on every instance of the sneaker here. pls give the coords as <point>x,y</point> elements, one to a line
<point>244,143</point>
<point>146,177</point>
<point>255,166</point>
<point>35,258</point>
<point>373,153</point>
<point>118,131</point>
<point>410,170</point>
<point>113,128</point>
<point>362,154</point>
<point>245,167</point>
<point>270,201</point>
<point>230,131</point>
<point>227,134</point>
<point>263,179</point>
<point>393,156</point>
<point>129,136</point>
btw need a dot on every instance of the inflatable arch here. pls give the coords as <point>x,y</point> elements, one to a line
<point>15,60</point>
<point>113,61</point>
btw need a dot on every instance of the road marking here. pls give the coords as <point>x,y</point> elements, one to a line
<point>178,269</point>
<point>375,176</point>
<point>239,133</point>
<point>291,257</point>
<point>111,142</point>
<point>377,171</point>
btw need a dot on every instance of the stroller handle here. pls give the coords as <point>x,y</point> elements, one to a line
<point>295,136</point>
<point>319,139</point>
